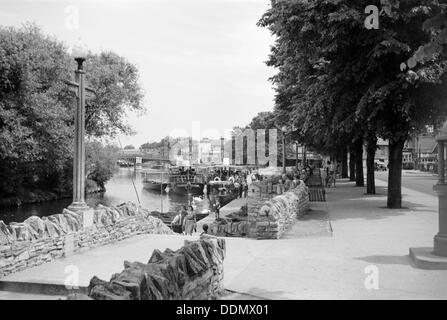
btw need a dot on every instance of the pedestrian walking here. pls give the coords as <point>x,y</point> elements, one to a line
<point>190,221</point>
<point>177,223</point>
<point>332,172</point>
<point>217,209</point>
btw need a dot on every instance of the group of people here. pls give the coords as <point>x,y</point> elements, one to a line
<point>240,184</point>
<point>329,173</point>
<point>185,222</point>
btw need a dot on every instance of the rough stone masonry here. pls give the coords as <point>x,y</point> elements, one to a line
<point>193,272</point>
<point>267,215</point>
<point>36,241</point>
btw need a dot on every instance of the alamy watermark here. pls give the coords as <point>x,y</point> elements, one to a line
<point>255,145</point>
<point>372,277</point>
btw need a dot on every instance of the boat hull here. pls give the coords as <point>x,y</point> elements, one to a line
<point>156,186</point>
<point>182,189</point>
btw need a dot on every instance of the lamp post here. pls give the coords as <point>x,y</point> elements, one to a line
<point>440,240</point>
<point>80,89</point>
<point>79,156</point>
<point>436,257</point>
<point>284,130</point>
<point>222,149</point>
<point>296,156</point>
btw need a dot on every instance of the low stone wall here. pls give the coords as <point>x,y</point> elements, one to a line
<point>194,272</point>
<point>269,217</point>
<point>229,228</point>
<point>267,214</point>
<point>36,241</point>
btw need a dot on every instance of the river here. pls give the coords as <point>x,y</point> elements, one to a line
<point>119,189</point>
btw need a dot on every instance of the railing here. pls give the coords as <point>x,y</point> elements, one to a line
<point>185,178</point>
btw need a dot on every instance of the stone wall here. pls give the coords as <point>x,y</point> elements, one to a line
<point>233,224</point>
<point>267,214</point>
<point>39,240</point>
<point>229,228</point>
<point>194,272</point>
<point>270,216</point>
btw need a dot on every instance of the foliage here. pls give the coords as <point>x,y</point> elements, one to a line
<point>37,108</point>
<point>101,162</point>
<point>338,82</point>
<point>166,141</point>
<point>115,82</point>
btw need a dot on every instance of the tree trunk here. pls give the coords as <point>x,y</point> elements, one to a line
<point>344,163</point>
<point>394,200</point>
<point>370,155</point>
<point>351,164</point>
<point>359,178</point>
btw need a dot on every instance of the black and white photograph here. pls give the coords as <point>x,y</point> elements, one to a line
<point>223,154</point>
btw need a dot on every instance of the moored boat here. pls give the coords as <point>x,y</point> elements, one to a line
<point>221,190</point>
<point>155,178</point>
<point>186,181</point>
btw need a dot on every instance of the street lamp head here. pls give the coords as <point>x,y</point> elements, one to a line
<point>79,52</point>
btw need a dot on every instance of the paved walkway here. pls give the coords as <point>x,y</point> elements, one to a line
<point>365,234</point>
<point>351,232</point>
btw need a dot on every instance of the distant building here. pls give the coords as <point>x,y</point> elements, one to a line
<point>425,151</point>
<point>419,152</point>
<point>382,152</point>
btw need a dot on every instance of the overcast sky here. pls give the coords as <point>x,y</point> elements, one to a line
<point>199,60</point>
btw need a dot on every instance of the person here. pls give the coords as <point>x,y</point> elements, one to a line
<point>237,187</point>
<point>327,176</point>
<point>190,221</point>
<point>177,223</point>
<point>240,180</point>
<point>190,196</point>
<point>249,179</point>
<point>288,185</point>
<point>245,188</point>
<point>333,169</point>
<point>205,190</point>
<point>323,174</point>
<point>296,181</point>
<point>217,209</point>
<point>205,229</point>
<point>305,176</point>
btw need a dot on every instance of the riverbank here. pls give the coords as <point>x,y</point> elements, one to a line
<point>38,196</point>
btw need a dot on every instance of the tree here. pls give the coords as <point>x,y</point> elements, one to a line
<point>35,114</point>
<point>342,84</point>
<point>100,162</point>
<point>129,147</point>
<point>37,108</point>
<point>115,81</point>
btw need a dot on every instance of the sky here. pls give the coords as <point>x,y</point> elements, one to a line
<point>201,62</point>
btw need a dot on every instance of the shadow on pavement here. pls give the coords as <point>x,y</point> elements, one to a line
<point>383,259</point>
<point>352,203</point>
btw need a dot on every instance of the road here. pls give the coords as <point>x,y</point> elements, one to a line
<point>415,180</point>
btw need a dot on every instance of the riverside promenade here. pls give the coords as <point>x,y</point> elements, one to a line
<point>327,255</point>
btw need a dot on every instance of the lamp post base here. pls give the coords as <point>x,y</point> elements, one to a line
<point>78,206</point>
<point>85,212</point>
<point>440,245</point>
<point>425,258</point>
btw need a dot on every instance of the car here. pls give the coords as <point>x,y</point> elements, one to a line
<point>379,165</point>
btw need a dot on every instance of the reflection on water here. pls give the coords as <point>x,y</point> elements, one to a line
<point>119,189</point>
